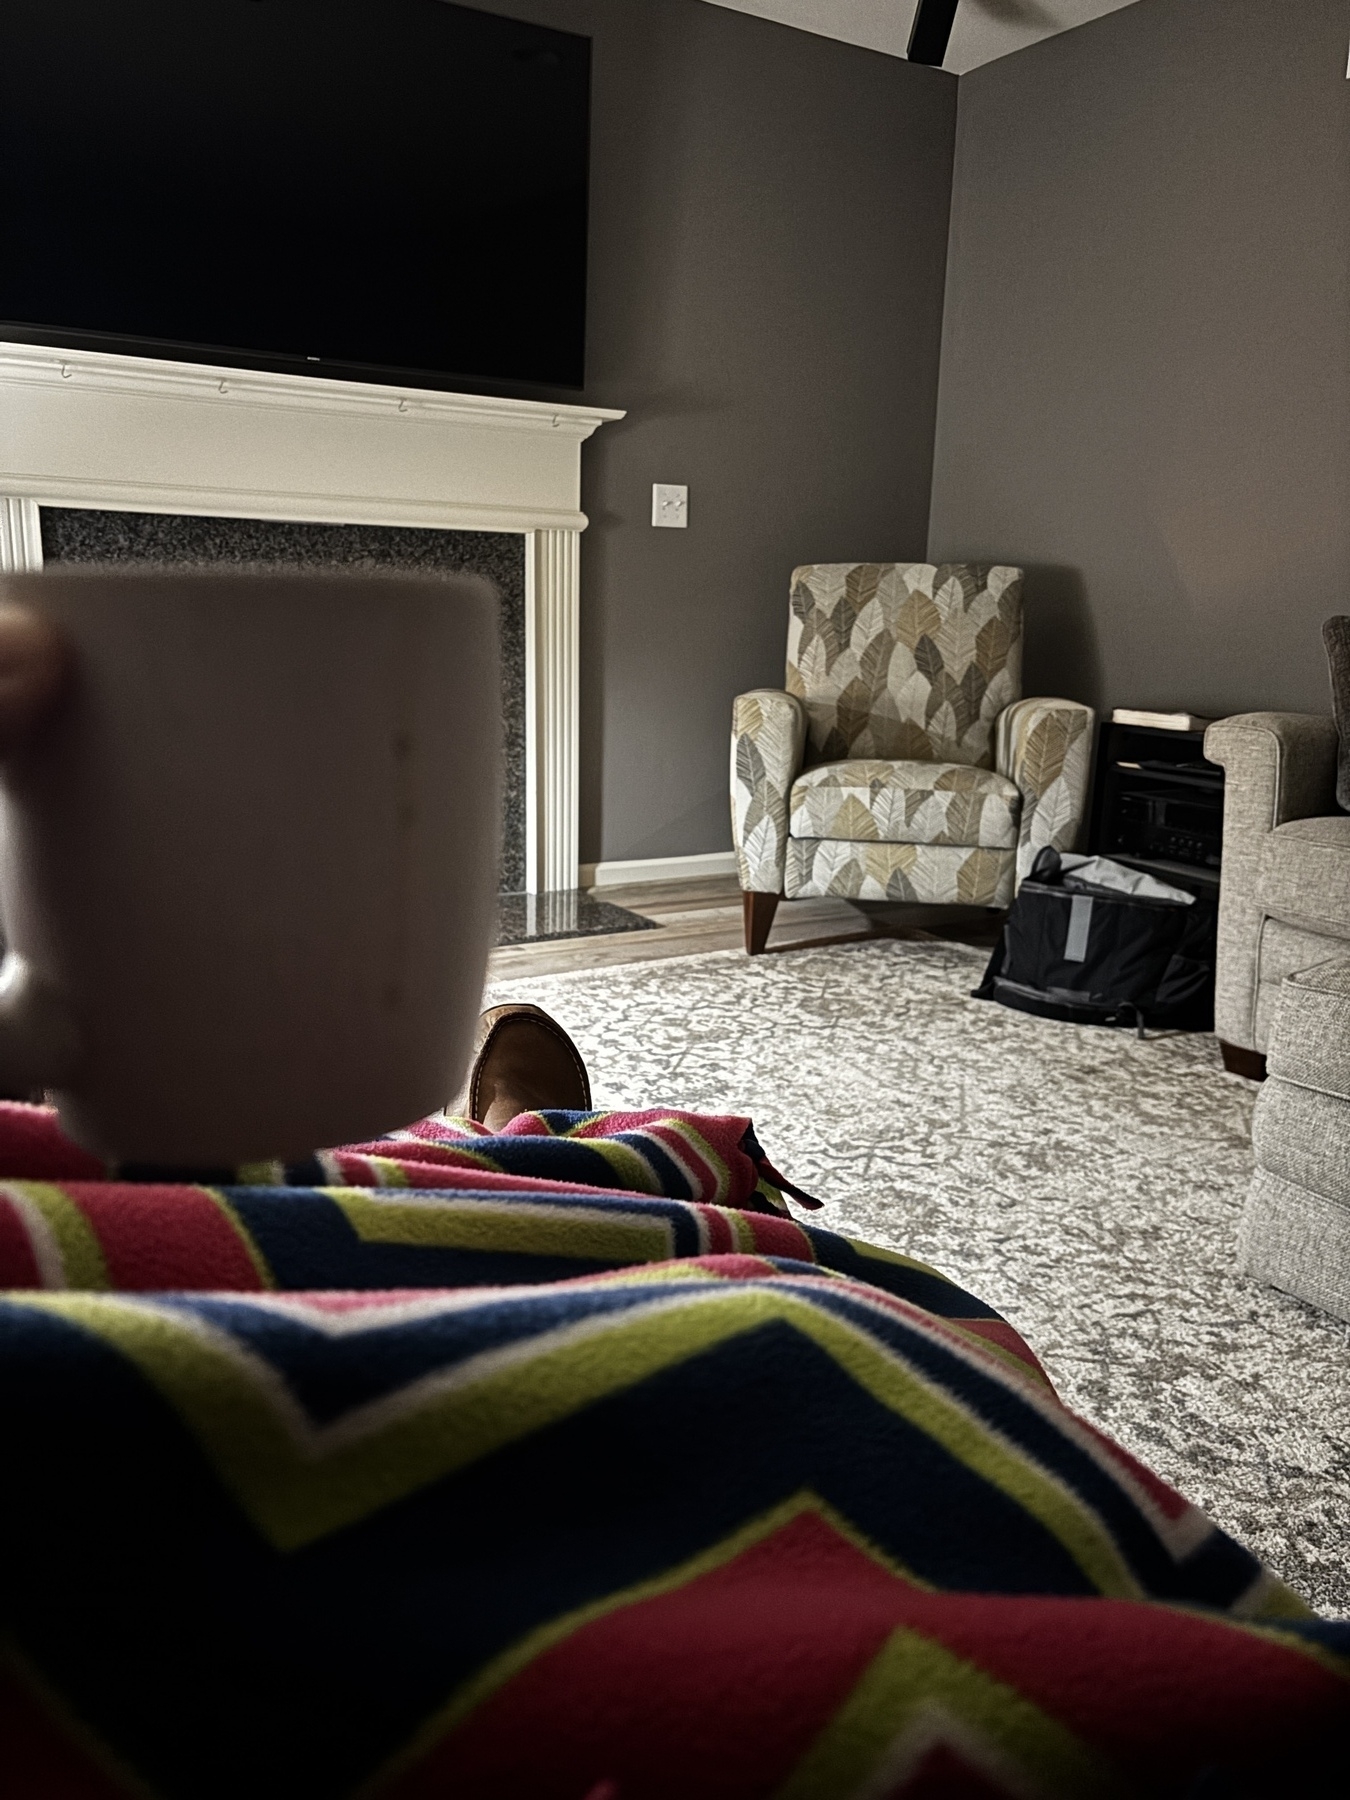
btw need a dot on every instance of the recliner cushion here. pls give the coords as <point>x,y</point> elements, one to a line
<point>905,659</point>
<point>1304,877</point>
<point>873,802</point>
<point>1310,1045</point>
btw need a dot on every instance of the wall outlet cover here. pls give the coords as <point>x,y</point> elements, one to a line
<point>670,506</point>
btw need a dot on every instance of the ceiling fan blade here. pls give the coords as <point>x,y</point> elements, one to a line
<point>932,32</point>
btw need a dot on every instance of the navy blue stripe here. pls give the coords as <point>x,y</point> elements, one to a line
<point>308,1242</point>
<point>932,1292</point>
<point>330,1376</point>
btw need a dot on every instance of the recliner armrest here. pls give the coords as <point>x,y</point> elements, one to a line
<point>768,740</point>
<point>1045,747</point>
<point>1278,767</point>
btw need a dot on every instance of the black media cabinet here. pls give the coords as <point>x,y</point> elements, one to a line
<point>1157,804</point>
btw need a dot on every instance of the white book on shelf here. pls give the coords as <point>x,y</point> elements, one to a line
<point>1159,721</point>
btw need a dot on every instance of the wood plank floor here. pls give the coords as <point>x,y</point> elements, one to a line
<point>696,916</point>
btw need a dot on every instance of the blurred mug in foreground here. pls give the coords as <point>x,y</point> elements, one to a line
<point>248,859</point>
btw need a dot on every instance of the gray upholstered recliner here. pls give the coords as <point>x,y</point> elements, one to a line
<point>1295,1230</point>
<point>901,762</point>
<point>1284,894</point>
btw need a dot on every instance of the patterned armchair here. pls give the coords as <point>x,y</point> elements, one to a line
<point>901,763</point>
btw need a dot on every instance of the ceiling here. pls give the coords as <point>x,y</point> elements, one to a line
<point>984,30</point>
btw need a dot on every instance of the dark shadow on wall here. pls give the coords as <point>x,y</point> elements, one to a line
<point>1062,657</point>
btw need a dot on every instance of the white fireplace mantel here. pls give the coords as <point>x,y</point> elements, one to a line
<point>127,433</point>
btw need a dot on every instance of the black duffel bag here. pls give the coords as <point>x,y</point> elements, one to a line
<point>1079,949</point>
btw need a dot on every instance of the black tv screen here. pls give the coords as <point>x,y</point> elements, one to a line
<point>388,188</point>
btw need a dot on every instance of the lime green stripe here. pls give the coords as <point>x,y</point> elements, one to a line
<point>478,1225</point>
<point>494,1676</point>
<point>1269,1598</point>
<point>916,1688</point>
<point>251,1250</point>
<point>632,1168</point>
<point>660,1274</point>
<point>260,1174</point>
<point>874,1253</point>
<point>297,1492</point>
<point>743,1232</point>
<point>82,1263</point>
<point>387,1172</point>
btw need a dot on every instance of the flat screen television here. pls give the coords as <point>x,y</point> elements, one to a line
<point>387,189</point>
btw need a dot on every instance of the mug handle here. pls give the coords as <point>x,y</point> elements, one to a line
<point>39,1042</point>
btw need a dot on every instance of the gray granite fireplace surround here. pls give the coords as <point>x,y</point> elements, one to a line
<point>72,535</point>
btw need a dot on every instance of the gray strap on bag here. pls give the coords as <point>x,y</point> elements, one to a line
<point>1080,924</point>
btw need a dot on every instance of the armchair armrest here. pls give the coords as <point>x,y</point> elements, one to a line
<point>768,738</point>
<point>1045,747</point>
<point>1278,767</point>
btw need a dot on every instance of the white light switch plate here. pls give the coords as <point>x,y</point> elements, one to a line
<point>670,506</point>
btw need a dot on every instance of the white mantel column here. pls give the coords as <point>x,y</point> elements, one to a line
<point>20,537</point>
<point>552,678</point>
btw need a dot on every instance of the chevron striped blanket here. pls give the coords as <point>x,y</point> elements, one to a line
<point>564,1465</point>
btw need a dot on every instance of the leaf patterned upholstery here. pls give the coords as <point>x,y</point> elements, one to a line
<point>906,662</point>
<point>901,762</point>
<point>1045,747</point>
<point>906,803</point>
<point>768,735</point>
<point>914,874</point>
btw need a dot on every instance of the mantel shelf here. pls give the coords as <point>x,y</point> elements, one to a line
<point>139,434</point>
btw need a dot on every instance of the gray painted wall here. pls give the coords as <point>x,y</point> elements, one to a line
<point>769,231</point>
<point>1145,387</point>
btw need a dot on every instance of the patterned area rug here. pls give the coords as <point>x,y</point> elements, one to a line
<point>1084,1183</point>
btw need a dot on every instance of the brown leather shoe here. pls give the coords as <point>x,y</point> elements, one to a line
<point>523,1062</point>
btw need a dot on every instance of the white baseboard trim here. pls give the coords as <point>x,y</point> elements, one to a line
<point>658,868</point>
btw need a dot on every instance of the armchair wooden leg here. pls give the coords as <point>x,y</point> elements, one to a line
<point>759,911</point>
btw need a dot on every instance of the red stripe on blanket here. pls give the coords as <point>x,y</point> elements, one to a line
<point>725,1128</point>
<point>775,1235</point>
<point>726,1268</point>
<point>166,1237</point>
<point>998,1331</point>
<point>18,1265</point>
<point>1141,1680</point>
<point>34,1148</point>
<point>718,1229</point>
<point>715,1690</point>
